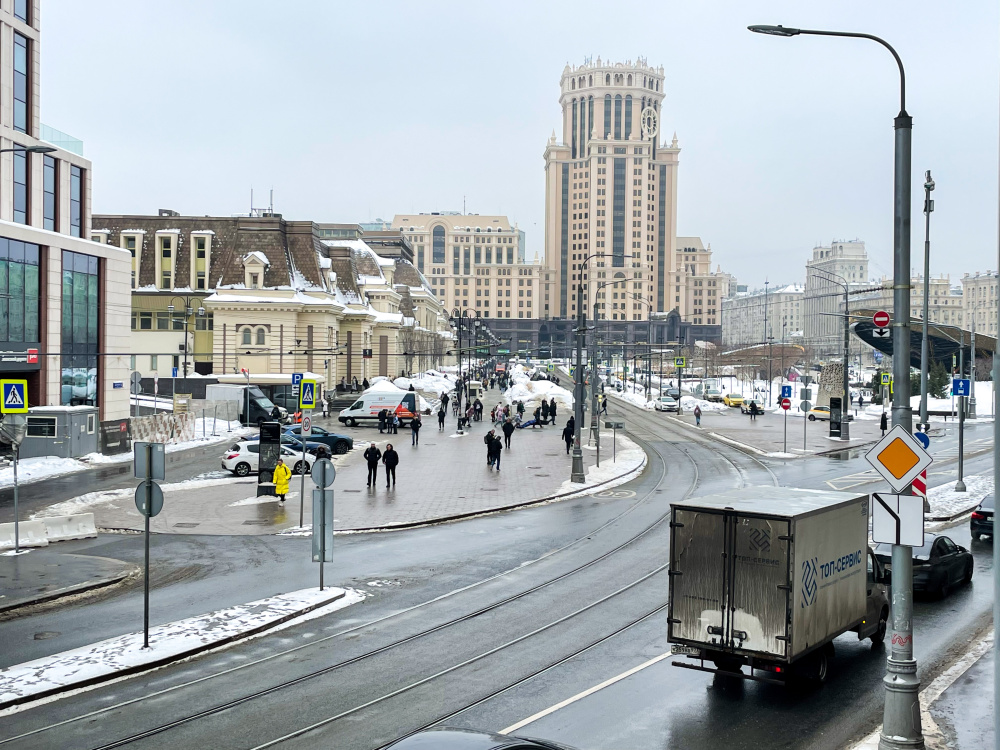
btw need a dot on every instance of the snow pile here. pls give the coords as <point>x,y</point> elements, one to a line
<point>629,459</point>
<point>431,381</point>
<point>104,660</point>
<point>946,503</point>
<point>533,392</point>
<point>689,402</point>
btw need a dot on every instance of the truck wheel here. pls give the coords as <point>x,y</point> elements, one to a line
<point>879,635</point>
<point>352,422</point>
<point>820,666</point>
<point>242,469</point>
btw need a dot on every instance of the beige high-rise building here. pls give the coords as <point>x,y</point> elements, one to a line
<point>979,302</point>
<point>611,190</point>
<point>844,261</point>
<point>475,262</point>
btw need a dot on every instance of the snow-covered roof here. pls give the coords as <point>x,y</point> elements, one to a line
<point>202,231</point>
<point>258,256</point>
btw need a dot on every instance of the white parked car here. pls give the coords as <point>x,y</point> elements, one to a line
<point>665,403</point>
<point>244,457</point>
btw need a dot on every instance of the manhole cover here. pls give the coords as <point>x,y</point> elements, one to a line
<point>350,490</point>
<point>185,525</point>
<point>256,523</point>
<point>551,454</point>
<point>542,475</point>
<point>534,467</point>
<point>46,634</point>
<point>487,489</point>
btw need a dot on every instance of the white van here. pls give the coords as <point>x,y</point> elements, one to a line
<point>367,407</point>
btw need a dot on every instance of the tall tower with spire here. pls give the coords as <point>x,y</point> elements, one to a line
<point>611,191</point>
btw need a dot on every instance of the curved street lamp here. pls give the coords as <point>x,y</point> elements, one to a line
<point>901,716</point>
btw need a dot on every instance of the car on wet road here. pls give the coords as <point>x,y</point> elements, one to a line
<point>981,523</point>
<point>448,738</point>
<point>938,567</point>
<point>666,403</point>
<point>243,457</point>
<point>733,399</point>
<point>338,444</point>
<point>819,412</point>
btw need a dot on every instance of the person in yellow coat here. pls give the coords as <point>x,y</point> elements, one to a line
<point>282,475</point>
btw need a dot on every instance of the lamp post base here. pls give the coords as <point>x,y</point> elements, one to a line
<point>901,722</point>
<point>578,474</point>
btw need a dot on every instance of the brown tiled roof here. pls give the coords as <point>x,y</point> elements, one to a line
<point>365,263</point>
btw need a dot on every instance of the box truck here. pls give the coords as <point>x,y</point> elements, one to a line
<point>260,407</point>
<point>767,577</point>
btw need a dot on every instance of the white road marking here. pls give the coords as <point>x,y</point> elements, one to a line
<point>584,694</point>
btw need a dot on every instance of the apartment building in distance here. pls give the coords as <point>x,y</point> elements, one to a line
<point>751,318</point>
<point>823,298</point>
<point>61,296</point>
<point>979,302</point>
<point>475,262</point>
<point>944,300</point>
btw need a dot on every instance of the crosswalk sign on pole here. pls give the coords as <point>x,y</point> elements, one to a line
<point>307,394</point>
<point>15,397</point>
<point>679,361</point>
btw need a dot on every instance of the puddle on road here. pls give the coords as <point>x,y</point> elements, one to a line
<point>845,455</point>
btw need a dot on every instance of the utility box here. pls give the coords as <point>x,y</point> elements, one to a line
<point>62,431</point>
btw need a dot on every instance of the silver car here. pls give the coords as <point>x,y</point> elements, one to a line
<point>666,403</point>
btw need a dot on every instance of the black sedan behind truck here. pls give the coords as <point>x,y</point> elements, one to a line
<point>981,522</point>
<point>938,566</point>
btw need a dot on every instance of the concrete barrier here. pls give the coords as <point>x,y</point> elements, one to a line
<point>62,528</point>
<point>31,534</point>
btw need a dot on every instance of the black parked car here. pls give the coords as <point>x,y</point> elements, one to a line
<point>447,738</point>
<point>336,443</point>
<point>982,519</point>
<point>937,566</point>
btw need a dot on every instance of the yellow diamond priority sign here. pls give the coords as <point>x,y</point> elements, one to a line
<point>899,458</point>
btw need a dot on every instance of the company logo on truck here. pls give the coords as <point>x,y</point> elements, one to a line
<point>760,540</point>
<point>815,572</point>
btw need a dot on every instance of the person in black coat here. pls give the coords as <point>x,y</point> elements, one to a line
<point>364,384</point>
<point>442,413</point>
<point>545,410</point>
<point>372,456</point>
<point>552,409</point>
<point>568,435</point>
<point>493,450</point>
<point>415,425</point>
<point>488,442</point>
<point>391,460</point>
<point>508,430</point>
<point>883,424</point>
<point>381,421</point>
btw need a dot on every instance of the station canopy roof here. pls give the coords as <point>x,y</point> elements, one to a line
<point>943,341</point>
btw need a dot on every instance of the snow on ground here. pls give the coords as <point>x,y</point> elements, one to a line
<point>689,402</point>
<point>432,381</point>
<point>628,462</point>
<point>946,503</point>
<point>87,502</point>
<point>170,641</point>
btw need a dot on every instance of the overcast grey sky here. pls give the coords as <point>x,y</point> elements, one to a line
<point>352,111</point>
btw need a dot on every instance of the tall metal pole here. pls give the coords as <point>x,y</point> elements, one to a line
<point>971,403</point>
<point>765,341</point>
<point>845,410</point>
<point>960,483</point>
<point>578,474</point>
<point>901,716</point>
<point>17,530</point>
<point>924,347</point>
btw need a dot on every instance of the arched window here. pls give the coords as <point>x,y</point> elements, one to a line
<point>629,79</point>
<point>607,79</point>
<point>437,242</point>
<point>572,84</point>
<point>261,334</point>
<point>573,132</point>
<point>657,85</point>
<point>246,337</point>
<point>590,80</point>
<point>644,80</point>
<point>607,116</point>
<point>628,116</point>
<point>618,117</point>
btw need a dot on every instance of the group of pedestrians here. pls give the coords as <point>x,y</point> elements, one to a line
<point>390,459</point>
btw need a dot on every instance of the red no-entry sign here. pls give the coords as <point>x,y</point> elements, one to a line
<point>786,404</point>
<point>881,319</point>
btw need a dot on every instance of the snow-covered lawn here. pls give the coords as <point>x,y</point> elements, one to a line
<point>87,502</point>
<point>174,640</point>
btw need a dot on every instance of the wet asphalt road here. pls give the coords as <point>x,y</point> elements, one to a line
<point>441,673</point>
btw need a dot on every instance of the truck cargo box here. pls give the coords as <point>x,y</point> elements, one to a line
<point>768,572</point>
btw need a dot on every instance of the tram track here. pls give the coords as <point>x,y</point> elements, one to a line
<point>491,607</point>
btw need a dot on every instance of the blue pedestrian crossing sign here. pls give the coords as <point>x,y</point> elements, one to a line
<point>961,387</point>
<point>680,361</point>
<point>307,394</point>
<point>15,397</point>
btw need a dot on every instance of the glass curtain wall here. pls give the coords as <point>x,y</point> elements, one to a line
<point>79,329</point>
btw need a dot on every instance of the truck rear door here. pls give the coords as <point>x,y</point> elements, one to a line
<point>729,581</point>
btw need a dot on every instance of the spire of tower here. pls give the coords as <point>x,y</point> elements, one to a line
<point>674,142</point>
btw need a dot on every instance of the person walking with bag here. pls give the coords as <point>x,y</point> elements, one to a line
<point>391,460</point>
<point>415,425</point>
<point>494,451</point>
<point>372,456</point>
<point>697,416</point>
<point>281,477</point>
<point>567,435</point>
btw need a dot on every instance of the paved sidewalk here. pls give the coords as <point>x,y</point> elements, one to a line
<point>444,477</point>
<point>44,574</point>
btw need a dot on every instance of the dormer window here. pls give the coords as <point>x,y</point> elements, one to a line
<point>254,266</point>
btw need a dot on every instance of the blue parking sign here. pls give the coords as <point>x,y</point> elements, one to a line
<point>296,378</point>
<point>961,387</point>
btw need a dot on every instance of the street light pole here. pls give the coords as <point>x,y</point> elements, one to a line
<point>577,473</point>
<point>901,717</point>
<point>924,346</point>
